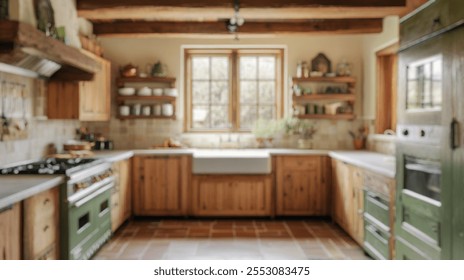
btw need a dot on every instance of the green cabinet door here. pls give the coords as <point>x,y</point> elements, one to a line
<point>457,167</point>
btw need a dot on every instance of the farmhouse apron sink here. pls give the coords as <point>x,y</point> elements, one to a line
<point>231,161</point>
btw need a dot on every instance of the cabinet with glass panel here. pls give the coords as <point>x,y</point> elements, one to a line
<point>324,97</point>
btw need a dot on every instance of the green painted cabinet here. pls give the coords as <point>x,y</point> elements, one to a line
<point>457,166</point>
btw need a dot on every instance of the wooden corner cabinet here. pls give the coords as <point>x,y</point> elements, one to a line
<point>302,186</point>
<point>160,185</point>
<point>41,226</point>
<point>121,199</point>
<point>10,232</point>
<point>150,100</point>
<point>329,98</point>
<point>85,101</point>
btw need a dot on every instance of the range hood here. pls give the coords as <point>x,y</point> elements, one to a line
<point>32,66</point>
<point>24,50</point>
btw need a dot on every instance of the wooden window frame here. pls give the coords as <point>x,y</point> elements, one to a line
<point>234,96</point>
<point>386,104</point>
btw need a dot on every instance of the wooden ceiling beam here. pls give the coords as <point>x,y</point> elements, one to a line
<point>92,5</point>
<point>332,26</point>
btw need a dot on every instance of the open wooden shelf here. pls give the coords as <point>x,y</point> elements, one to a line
<point>120,81</point>
<point>132,117</point>
<point>347,79</point>
<point>328,117</point>
<point>158,99</point>
<point>325,96</point>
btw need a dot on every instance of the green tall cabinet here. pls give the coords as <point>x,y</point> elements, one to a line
<point>434,229</point>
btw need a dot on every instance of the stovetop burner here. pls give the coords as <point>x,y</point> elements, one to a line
<point>50,166</point>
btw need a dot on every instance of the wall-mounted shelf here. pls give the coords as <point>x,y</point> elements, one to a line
<point>158,99</point>
<point>121,81</point>
<point>344,79</point>
<point>324,97</point>
<point>327,116</point>
<point>132,117</point>
<point>147,100</point>
<point>331,101</point>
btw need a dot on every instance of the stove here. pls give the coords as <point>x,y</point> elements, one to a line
<point>51,166</point>
<point>85,218</point>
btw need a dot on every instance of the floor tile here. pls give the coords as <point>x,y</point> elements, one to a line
<point>176,239</point>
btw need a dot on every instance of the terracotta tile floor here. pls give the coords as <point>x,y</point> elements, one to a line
<point>230,239</point>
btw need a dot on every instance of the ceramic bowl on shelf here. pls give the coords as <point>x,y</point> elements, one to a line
<point>145,91</point>
<point>157,91</point>
<point>316,74</point>
<point>170,92</point>
<point>330,75</point>
<point>126,91</point>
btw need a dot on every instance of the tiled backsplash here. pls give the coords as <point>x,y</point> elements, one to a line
<point>40,132</point>
<point>143,134</point>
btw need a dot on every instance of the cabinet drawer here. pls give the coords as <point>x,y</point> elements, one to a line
<point>406,251</point>
<point>44,234</point>
<point>376,242</point>
<point>377,208</point>
<point>44,203</point>
<point>300,162</point>
<point>377,183</point>
<point>430,19</point>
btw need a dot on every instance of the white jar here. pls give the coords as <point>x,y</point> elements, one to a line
<point>136,108</point>
<point>124,110</point>
<point>167,110</point>
<point>146,110</point>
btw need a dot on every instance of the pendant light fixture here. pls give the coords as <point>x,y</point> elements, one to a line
<point>234,22</point>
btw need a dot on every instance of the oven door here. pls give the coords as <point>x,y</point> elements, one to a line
<point>418,207</point>
<point>89,223</point>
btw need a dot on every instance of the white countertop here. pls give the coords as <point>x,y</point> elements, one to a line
<point>191,151</point>
<point>14,188</point>
<point>375,162</point>
<point>114,155</point>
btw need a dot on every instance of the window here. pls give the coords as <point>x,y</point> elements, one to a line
<point>229,89</point>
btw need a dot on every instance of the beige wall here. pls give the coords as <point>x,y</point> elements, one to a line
<point>140,51</point>
<point>372,44</point>
<point>40,132</point>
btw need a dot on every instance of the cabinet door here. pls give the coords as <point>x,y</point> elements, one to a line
<point>357,227</point>
<point>41,224</point>
<point>95,95</point>
<point>10,233</point>
<point>342,195</point>
<point>301,187</point>
<point>161,185</point>
<point>454,175</point>
<point>232,195</point>
<point>125,189</point>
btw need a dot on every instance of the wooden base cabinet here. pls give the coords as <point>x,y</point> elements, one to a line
<point>348,199</point>
<point>41,226</point>
<point>10,233</point>
<point>302,187</point>
<point>161,185</point>
<point>232,195</point>
<point>121,199</point>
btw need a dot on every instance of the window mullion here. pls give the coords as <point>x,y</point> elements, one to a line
<point>234,96</point>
